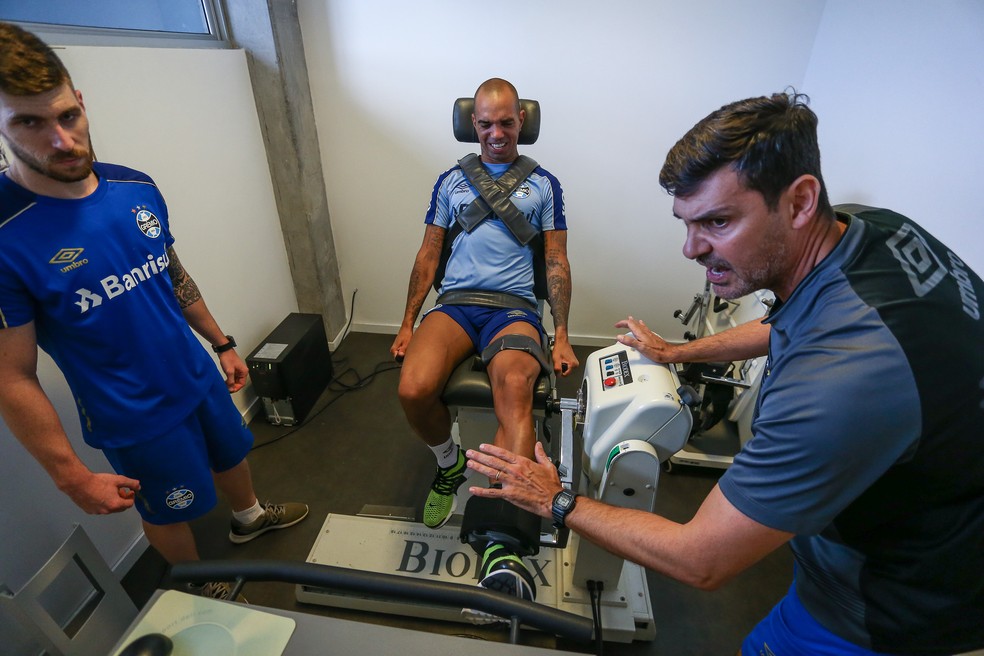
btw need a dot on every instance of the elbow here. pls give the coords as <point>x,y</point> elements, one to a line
<point>706,578</point>
<point>708,584</point>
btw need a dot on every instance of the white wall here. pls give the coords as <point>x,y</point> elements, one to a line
<point>899,86</point>
<point>619,82</point>
<point>188,119</point>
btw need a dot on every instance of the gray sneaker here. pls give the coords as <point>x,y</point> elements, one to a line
<point>218,590</point>
<point>275,516</point>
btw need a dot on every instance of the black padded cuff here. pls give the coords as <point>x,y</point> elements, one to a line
<point>496,520</point>
<point>517,342</point>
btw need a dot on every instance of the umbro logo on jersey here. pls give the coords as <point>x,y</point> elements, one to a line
<point>968,297</point>
<point>925,270</point>
<point>69,257</point>
<point>918,260</point>
<point>148,223</point>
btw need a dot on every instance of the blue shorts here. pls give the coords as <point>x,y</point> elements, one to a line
<point>482,323</point>
<point>790,630</point>
<point>175,470</point>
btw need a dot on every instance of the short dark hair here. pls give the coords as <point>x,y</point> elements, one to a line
<point>28,66</point>
<point>769,141</point>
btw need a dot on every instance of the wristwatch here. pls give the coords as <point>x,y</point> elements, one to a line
<point>563,503</point>
<point>222,348</point>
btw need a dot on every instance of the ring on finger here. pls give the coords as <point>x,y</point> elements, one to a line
<point>497,475</point>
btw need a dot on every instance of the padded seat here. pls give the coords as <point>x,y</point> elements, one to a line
<point>469,386</point>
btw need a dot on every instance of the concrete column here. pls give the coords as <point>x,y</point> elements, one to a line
<point>269,32</point>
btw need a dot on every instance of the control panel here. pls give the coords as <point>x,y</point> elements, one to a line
<point>615,370</point>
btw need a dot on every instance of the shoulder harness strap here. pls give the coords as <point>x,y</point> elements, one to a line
<point>494,196</point>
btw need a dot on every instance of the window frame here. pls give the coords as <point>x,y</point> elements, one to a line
<point>78,35</point>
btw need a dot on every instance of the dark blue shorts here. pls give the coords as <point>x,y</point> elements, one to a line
<point>175,470</point>
<point>482,323</point>
<point>790,630</point>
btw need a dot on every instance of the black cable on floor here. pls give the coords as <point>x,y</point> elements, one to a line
<point>594,591</point>
<point>360,383</point>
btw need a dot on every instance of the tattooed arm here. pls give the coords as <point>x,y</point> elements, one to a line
<point>559,296</point>
<point>421,279</point>
<point>202,322</point>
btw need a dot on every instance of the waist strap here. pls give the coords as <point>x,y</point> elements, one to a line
<point>484,298</point>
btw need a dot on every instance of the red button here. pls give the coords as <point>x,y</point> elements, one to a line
<point>610,382</point>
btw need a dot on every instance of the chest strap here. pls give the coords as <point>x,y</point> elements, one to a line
<point>494,196</point>
<point>483,298</point>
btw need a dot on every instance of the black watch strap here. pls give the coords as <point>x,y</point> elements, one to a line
<point>228,346</point>
<point>563,503</point>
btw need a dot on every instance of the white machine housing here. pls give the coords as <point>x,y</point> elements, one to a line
<point>629,397</point>
<point>633,420</point>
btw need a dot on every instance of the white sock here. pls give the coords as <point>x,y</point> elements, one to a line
<point>249,515</point>
<point>446,454</point>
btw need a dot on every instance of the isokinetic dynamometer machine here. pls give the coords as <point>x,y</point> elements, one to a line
<point>629,416</point>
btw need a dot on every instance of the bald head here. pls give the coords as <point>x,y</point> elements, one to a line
<point>496,87</point>
<point>497,119</point>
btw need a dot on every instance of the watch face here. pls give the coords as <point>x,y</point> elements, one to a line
<point>562,504</point>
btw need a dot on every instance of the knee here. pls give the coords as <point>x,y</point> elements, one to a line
<point>515,382</point>
<point>414,390</point>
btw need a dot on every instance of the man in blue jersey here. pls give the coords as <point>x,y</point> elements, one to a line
<point>487,257</point>
<point>867,454</point>
<point>88,272</point>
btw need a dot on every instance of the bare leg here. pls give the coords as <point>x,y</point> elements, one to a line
<point>174,541</point>
<point>513,375</point>
<point>437,347</point>
<point>237,486</point>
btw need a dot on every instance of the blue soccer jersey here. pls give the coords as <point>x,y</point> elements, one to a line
<point>489,257</point>
<point>92,276</point>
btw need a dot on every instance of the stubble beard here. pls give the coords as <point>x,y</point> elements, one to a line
<point>44,165</point>
<point>765,274</point>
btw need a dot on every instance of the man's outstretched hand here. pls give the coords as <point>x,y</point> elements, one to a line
<point>527,484</point>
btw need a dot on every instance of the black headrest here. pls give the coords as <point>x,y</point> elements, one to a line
<point>465,131</point>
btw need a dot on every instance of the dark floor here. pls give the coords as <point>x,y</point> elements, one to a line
<point>355,448</point>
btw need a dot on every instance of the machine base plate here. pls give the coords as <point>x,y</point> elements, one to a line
<point>393,546</point>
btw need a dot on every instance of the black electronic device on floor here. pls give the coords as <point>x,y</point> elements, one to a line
<point>291,368</point>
